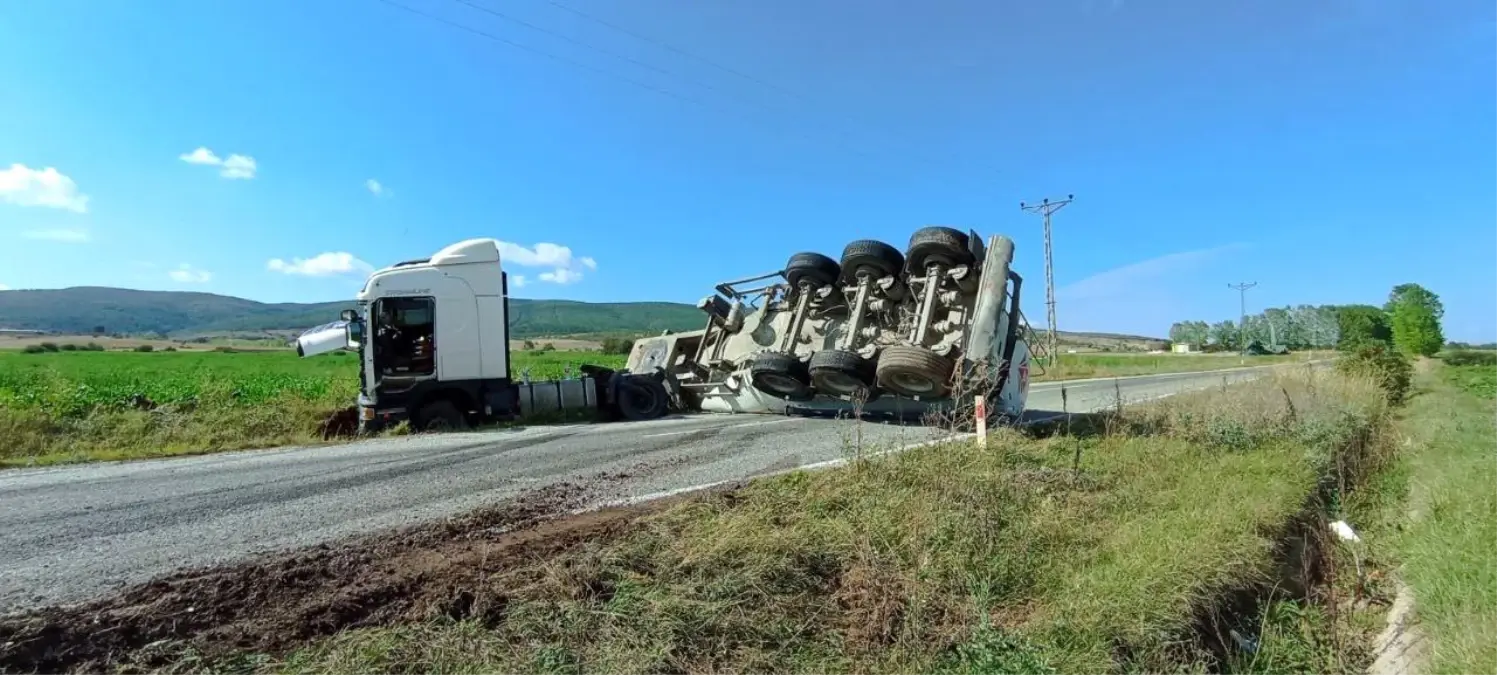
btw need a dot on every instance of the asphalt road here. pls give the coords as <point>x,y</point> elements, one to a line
<point>73,532</point>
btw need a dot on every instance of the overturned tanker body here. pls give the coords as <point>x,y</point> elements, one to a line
<point>879,332</point>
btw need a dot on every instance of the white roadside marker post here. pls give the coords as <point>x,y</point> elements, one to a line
<point>981,413</point>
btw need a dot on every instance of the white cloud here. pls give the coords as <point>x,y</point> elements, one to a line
<point>565,268</point>
<point>24,186</point>
<point>374,187</point>
<point>236,166</point>
<point>327,264</point>
<point>201,156</point>
<point>186,274</point>
<point>518,280</point>
<point>3,287</point>
<point>64,236</point>
<point>561,275</point>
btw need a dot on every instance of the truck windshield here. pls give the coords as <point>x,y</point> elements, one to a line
<point>404,337</point>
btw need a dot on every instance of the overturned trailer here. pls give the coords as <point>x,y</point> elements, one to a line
<point>879,332</point>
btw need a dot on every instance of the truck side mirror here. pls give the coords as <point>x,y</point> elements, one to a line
<point>348,315</point>
<point>355,332</point>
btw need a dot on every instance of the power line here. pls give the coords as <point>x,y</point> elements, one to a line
<point>604,73</point>
<point>1046,208</point>
<point>737,73</point>
<point>517,45</point>
<point>677,50</point>
<point>572,40</point>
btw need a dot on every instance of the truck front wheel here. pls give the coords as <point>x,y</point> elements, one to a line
<point>440,416</point>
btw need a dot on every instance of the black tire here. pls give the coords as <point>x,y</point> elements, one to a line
<point>781,375</point>
<point>915,372</point>
<point>814,268</point>
<point>440,416</point>
<point>642,398</point>
<point>839,372</point>
<point>873,255</point>
<point>936,244</point>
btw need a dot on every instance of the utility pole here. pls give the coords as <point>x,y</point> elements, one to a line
<point>1242,289</point>
<point>1046,208</point>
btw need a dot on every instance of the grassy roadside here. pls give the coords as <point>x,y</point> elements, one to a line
<point>1086,366</point>
<point>1094,551</point>
<point>1447,542</point>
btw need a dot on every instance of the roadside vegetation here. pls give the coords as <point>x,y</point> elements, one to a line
<point>84,405</point>
<point>1130,542</point>
<point>1433,519</point>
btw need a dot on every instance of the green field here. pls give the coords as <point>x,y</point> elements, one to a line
<point>78,406</point>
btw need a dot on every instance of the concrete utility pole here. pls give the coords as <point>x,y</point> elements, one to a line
<point>1242,289</point>
<point>1046,208</point>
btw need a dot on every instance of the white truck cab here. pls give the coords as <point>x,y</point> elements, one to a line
<point>433,339</point>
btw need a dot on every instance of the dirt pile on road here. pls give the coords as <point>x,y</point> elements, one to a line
<point>275,602</point>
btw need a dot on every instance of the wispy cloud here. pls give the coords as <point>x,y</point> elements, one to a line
<point>332,263</point>
<point>63,236</point>
<point>236,166</point>
<point>1140,297</point>
<point>187,274</point>
<point>375,188</point>
<point>24,186</point>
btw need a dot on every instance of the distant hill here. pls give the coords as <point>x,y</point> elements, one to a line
<point>179,313</point>
<point>184,314</point>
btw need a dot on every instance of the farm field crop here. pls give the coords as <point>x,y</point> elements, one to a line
<point>73,406</point>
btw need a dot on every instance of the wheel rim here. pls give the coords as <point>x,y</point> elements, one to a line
<point>912,383</point>
<point>839,382</point>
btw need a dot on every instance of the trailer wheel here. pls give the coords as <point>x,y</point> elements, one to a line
<point>943,245</point>
<point>914,371</point>
<point>815,268</point>
<point>781,375</point>
<point>440,416</point>
<point>642,398</point>
<point>842,373</point>
<point>875,256</point>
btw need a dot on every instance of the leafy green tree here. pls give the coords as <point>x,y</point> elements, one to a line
<point>1224,333</point>
<point>1416,329</point>
<point>1415,317</point>
<point>1416,294</point>
<point>1362,325</point>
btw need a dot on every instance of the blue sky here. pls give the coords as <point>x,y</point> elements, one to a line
<point>1326,150</point>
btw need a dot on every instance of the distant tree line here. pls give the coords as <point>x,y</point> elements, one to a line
<point>1409,321</point>
<point>1301,327</point>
